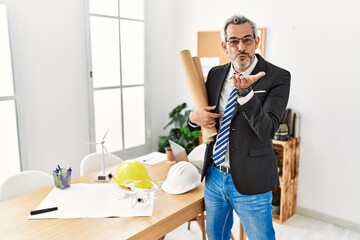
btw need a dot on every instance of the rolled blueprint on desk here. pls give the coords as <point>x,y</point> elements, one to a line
<point>196,84</point>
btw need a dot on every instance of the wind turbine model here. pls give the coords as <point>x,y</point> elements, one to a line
<point>103,176</point>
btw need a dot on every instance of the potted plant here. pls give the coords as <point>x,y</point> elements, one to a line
<point>179,133</point>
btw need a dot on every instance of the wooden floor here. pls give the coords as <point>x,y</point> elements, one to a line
<point>298,227</point>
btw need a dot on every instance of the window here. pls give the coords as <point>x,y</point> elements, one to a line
<point>9,144</point>
<point>116,63</point>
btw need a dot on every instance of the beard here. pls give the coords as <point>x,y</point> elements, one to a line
<point>239,64</point>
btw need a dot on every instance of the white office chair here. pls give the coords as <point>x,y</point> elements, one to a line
<point>92,162</point>
<point>24,182</point>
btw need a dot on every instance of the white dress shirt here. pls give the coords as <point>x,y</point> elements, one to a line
<point>228,84</point>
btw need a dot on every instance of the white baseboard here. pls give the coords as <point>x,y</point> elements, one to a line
<point>328,218</point>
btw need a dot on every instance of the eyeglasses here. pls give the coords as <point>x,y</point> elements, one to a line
<point>234,41</point>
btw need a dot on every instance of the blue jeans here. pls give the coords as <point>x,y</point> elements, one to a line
<point>221,198</point>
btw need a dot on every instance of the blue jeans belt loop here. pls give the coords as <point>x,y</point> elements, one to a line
<point>224,169</point>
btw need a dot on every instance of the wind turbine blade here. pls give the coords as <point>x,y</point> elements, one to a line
<point>105,149</point>
<point>105,134</point>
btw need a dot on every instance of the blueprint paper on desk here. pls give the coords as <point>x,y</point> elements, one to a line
<point>152,158</point>
<point>94,201</point>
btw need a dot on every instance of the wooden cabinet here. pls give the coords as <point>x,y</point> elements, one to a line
<point>288,152</point>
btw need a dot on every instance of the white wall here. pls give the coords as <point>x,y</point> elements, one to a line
<point>49,58</point>
<point>160,64</point>
<point>315,40</point>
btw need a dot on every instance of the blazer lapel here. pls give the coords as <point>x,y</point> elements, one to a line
<point>260,66</point>
<point>222,77</point>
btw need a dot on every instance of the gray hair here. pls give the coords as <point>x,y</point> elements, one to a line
<point>237,20</point>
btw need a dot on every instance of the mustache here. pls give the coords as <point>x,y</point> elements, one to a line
<point>242,54</point>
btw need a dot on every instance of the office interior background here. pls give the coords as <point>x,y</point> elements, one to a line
<point>314,40</point>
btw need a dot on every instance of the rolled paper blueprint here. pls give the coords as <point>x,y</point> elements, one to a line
<point>196,89</point>
<point>200,73</point>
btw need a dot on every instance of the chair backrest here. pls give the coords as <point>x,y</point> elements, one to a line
<point>24,182</point>
<point>197,155</point>
<point>92,162</point>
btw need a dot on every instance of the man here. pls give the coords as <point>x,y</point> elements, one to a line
<point>240,165</point>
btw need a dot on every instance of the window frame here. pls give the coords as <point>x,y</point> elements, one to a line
<point>13,97</point>
<point>125,152</point>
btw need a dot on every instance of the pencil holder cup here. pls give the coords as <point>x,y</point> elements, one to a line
<point>62,179</point>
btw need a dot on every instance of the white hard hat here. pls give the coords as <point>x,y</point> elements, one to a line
<point>182,177</point>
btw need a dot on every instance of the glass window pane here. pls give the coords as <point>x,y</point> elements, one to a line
<point>9,145</point>
<point>108,117</point>
<point>104,7</point>
<point>132,52</point>
<point>132,9</point>
<point>134,116</point>
<point>105,51</point>
<point>6,76</point>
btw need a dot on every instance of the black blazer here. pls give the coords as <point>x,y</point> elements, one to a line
<point>253,125</point>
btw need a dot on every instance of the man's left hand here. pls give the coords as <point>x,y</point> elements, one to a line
<point>241,82</point>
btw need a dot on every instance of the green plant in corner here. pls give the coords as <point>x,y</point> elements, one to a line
<point>180,133</point>
<point>276,198</point>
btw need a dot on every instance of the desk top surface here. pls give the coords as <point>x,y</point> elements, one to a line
<point>170,211</point>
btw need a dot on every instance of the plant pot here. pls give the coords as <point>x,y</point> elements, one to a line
<point>276,210</point>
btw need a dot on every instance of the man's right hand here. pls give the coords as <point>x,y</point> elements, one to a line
<point>203,117</point>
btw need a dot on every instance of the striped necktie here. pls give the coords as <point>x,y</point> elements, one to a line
<point>223,135</point>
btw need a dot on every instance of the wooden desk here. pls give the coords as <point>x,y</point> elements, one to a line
<point>170,211</point>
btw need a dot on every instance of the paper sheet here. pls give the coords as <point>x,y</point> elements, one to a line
<point>94,201</point>
<point>152,158</point>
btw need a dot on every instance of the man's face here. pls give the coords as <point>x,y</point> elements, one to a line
<point>240,45</point>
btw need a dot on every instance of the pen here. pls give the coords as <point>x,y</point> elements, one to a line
<point>43,210</point>
<point>59,169</point>
<point>147,159</point>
